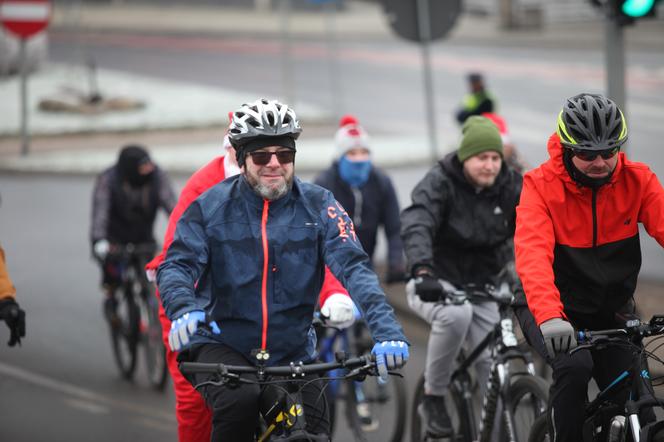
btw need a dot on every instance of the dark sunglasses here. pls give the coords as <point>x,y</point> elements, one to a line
<point>261,158</point>
<point>590,155</point>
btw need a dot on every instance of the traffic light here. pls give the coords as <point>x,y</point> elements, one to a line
<point>628,11</point>
<point>638,8</point>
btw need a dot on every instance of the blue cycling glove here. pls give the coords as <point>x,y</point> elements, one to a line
<point>389,356</point>
<point>185,326</point>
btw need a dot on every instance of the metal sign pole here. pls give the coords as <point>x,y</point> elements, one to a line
<point>286,59</point>
<point>25,137</point>
<point>424,31</point>
<point>333,58</point>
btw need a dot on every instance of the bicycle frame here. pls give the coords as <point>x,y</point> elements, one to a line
<point>637,379</point>
<point>286,411</point>
<point>503,344</point>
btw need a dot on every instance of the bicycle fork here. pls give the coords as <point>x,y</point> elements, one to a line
<point>490,407</point>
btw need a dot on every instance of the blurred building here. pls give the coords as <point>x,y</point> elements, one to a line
<point>534,13</point>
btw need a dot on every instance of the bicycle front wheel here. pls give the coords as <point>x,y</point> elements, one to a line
<point>124,334</point>
<point>528,397</point>
<point>375,411</point>
<point>155,352</point>
<point>540,430</point>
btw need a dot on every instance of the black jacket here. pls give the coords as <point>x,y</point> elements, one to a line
<point>370,206</point>
<point>125,214</point>
<point>462,234</point>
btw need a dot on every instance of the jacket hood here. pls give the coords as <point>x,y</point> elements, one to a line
<point>556,166</point>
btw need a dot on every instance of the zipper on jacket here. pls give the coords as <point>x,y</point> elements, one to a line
<point>266,257</point>
<point>594,205</point>
<point>357,216</point>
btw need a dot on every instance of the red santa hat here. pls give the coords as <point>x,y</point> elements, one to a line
<point>501,124</point>
<point>350,135</point>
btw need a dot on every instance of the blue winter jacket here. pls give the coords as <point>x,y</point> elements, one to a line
<point>256,267</point>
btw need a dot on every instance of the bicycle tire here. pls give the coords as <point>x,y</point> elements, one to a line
<point>454,402</point>
<point>124,335</point>
<point>154,350</point>
<point>528,400</point>
<point>540,430</point>
<point>386,407</point>
<point>657,437</point>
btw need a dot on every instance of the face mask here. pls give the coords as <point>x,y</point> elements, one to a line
<point>354,173</point>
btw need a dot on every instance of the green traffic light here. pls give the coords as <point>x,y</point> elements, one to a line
<point>637,8</point>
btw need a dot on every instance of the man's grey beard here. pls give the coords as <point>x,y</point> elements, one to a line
<point>269,193</point>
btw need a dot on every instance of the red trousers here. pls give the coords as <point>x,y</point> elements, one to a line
<point>193,416</point>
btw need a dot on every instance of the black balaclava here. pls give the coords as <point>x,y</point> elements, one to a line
<point>580,177</point>
<point>131,158</point>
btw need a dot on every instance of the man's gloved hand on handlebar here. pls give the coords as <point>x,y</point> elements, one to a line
<point>185,326</point>
<point>559,336</point>
<point>390,355</point>
<point>428,287</point>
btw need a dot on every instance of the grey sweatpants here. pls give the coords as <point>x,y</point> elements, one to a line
<point>451,327</point>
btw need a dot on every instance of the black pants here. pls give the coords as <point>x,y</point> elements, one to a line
<point>571,374</point>
<point>235,411</point>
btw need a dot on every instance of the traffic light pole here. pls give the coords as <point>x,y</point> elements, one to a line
<point>615,62</point>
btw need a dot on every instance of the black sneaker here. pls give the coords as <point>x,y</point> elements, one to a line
<point>434,417</point>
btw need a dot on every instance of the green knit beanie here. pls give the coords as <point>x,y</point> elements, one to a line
<point>479,135</point>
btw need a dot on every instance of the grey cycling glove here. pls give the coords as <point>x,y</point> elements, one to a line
<point>558,335</point>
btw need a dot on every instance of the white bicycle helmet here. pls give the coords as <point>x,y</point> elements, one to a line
<point>260,124</point>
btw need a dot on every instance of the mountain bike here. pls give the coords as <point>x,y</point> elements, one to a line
<point>282,416</point>
<point>607,420</point>
<point>374,411</point>
<point>514,390</point>
<point>135,319</point>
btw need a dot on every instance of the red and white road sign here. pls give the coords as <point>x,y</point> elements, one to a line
<point>25,18</point>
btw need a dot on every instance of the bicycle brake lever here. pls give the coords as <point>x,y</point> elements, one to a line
<point>580,347</point>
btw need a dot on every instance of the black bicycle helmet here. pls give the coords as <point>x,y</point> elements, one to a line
<point>591,122</point>
<point>261,124</point>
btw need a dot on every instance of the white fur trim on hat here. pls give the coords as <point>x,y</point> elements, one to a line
<point>226,144</point>
<point>349,137</point>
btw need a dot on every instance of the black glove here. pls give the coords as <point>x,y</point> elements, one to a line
<point>429,289</point>
<point>14,316</point>
<point>395,276</point>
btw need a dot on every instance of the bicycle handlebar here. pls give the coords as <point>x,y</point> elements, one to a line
<point>633,328</point>
<point>477,294</point>
<point>131,249</point>
<point>365,364</point>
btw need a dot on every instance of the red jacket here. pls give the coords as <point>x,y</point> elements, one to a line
<point>206,177</point>
<point>577,249</point>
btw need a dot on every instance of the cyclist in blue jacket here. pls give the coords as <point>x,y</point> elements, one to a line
<point>241,279</point>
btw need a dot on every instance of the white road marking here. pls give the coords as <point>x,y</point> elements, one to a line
<point>83,394</point>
